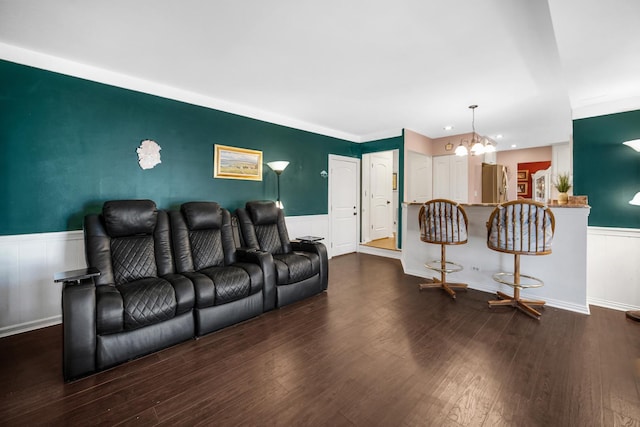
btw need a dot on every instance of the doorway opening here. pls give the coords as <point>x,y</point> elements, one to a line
<point>380,200</point>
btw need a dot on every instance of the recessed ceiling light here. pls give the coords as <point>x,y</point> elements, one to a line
<point>513,145</point>
<point>499,136</point>
<point>448,127</point>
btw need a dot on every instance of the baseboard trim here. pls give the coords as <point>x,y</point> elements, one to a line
<point>577,308</point>
<point>611,304</point>
<point>30,326</point>
<point>387,253</point>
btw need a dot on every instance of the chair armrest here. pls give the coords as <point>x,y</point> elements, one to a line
<point>306,246</point>
<point>77,276</point>
<point>245,249</point>
<point>321,250</point>
<point>79,328</point>
<point>265,261</point>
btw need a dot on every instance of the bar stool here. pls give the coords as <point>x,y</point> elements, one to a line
<point>520,227</point>
<point>443,222</point>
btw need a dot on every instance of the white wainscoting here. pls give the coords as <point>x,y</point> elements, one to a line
<point>613,270</point>
<point>29,299</point>
<point>309,225</point>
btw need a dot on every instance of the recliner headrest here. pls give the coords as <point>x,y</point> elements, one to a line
<point>263,212</point>
<point>129,217</point>
<point>202,215</point>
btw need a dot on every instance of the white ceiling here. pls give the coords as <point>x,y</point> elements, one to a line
<point>360,69</point>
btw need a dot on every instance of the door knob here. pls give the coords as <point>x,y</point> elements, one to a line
<point>388,202</point>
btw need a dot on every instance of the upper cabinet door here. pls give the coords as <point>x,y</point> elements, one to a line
<point>459,179</point>
<point>420,173</point>
<point>451,178</point>
<point>441,167</point>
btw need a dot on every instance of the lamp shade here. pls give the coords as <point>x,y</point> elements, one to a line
<point>634,143</point>
<point>635,200</point>
<point>278,166</point>
<point>489,147</point>
<point>477,148</point>
<point>461,150</point>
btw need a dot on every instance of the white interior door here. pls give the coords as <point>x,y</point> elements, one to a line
<point>344,205</point>
<point>381,210</point>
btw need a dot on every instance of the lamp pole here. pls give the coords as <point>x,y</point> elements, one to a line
<point>278,202</point>
<point>278,166</point>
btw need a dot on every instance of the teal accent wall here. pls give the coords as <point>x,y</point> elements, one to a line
<point>68,144</point>
<point>388,144</point>
<point>607,171</point>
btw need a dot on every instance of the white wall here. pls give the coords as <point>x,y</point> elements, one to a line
<point>29,299</point>
<point>564,271</point>
<point>613,270</point>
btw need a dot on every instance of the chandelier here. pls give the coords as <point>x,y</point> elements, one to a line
<point>477,145</point>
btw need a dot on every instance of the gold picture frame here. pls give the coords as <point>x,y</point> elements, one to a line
<point>523,175</point>
<point>523,188</point>
<point>237,163</point>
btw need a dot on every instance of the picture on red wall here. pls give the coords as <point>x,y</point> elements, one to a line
<point>525,172</point>
<point>523,188</point>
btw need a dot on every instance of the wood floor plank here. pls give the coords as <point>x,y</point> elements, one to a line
<point>372,351</point>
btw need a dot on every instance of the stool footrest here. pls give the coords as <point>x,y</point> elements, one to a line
<point>533,282</point>
<point>450,267</point>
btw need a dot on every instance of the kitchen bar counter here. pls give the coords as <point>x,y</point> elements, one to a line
<point>564,271</point>
<point>493,205</point>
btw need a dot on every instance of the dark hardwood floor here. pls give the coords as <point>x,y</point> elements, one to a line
<point>371,351</point>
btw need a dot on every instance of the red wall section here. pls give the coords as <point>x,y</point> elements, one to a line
<point>531,168</point>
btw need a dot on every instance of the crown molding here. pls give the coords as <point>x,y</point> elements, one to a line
<point>88,72</point>
<point>603,108</point>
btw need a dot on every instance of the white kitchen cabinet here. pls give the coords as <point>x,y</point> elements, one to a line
<point>451,178</point>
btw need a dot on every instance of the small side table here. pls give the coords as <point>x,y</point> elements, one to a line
<point>76,275</point>
<point>309,239</point>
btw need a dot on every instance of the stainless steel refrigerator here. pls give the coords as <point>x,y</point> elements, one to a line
<point>494,183</point>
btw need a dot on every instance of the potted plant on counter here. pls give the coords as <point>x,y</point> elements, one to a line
<point>563,185</point>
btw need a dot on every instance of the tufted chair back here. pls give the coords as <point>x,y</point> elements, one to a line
<point>263,227</point>
<point>202,236</point>
<point>128,241</point>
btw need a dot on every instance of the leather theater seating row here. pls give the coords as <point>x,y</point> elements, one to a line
<point>169,276</point>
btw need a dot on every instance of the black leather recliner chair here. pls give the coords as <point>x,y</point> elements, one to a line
<point>137,304</point>
<point>230,285</point>
<point>301,268</point>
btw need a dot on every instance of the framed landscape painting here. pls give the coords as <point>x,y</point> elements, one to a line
<point>237,163</point>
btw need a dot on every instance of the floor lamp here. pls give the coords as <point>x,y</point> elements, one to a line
<point>278,167</point>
